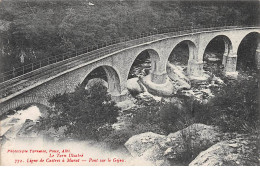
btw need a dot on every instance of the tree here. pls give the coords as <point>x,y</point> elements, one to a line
<point>234,107</point>
<point>86,114</point>
<point>48,28</point>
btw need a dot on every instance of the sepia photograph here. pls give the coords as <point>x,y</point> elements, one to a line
<point>129,83</point>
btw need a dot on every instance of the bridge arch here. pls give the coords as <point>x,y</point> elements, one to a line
<point>150,57</point>
<point>23,101</point>
<point>107,73</point>
<point>220,45</point>
<point>248,51</point>
<point>186,49</point>
<point>217,50</point>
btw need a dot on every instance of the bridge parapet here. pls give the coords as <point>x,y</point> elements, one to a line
<point>109,47</point>
<point>92,53</point>
<point>46,80</point>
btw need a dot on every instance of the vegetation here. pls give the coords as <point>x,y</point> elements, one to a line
<point>86,114</point>
<point>39,29</point>
<point>234,109</point>
<point>161,117</point>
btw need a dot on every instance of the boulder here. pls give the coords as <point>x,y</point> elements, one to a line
<point>235,152</point>
<point>137,145</point>
<point>3,140</point>
<point>178,77</point>
<point>166,150</point>
<point>211,57</point>
<point>193,139</point>
<point>204,145</point>
<point>146,97</point>
<point>148,147</point>
<point>134,86</point>
<point>126,104</point>
<point>217,80</point>
<point>28,129</point>
<point>94,81</point>
<point>178,71</point>
<point>4,25</point>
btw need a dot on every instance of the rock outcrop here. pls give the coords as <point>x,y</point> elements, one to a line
<point>166,150</point>
<point>213,57</point>
<point>148,147</point>
<point>94,81</point>
<point>191,141</point>
<point>4,25</point>
<point>234,152</point>
<point>178,77</point>
<point>134,86</point>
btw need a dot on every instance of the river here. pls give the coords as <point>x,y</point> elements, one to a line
<point>29,150</point>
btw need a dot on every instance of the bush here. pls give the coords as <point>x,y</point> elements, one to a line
<point>234,107</point>
<point>117,139</point>
<point>161,117</point>
<point>173,118</point>
<point>85,113</point>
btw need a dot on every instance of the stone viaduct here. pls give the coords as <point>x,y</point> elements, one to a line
<point>117,65</point>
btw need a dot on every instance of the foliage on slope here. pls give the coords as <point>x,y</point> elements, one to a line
<point>86,114</point>
<point>41,29</point>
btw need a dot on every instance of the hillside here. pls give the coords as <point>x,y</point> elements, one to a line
<point>37,29</point>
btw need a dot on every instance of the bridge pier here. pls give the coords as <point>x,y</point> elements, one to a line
<point>158,78</point>
<point>257,57</point>
<point>224,60</point>
<point>120,97</point>
<point>195,68</point>
<point>257,54</point>
<point>230,67</point>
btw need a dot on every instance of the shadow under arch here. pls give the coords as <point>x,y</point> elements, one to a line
<point>246,51</point>
<point>182,52</point>
<point>107,73</point>
<point>219,46</point>
<point>149,56</point>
